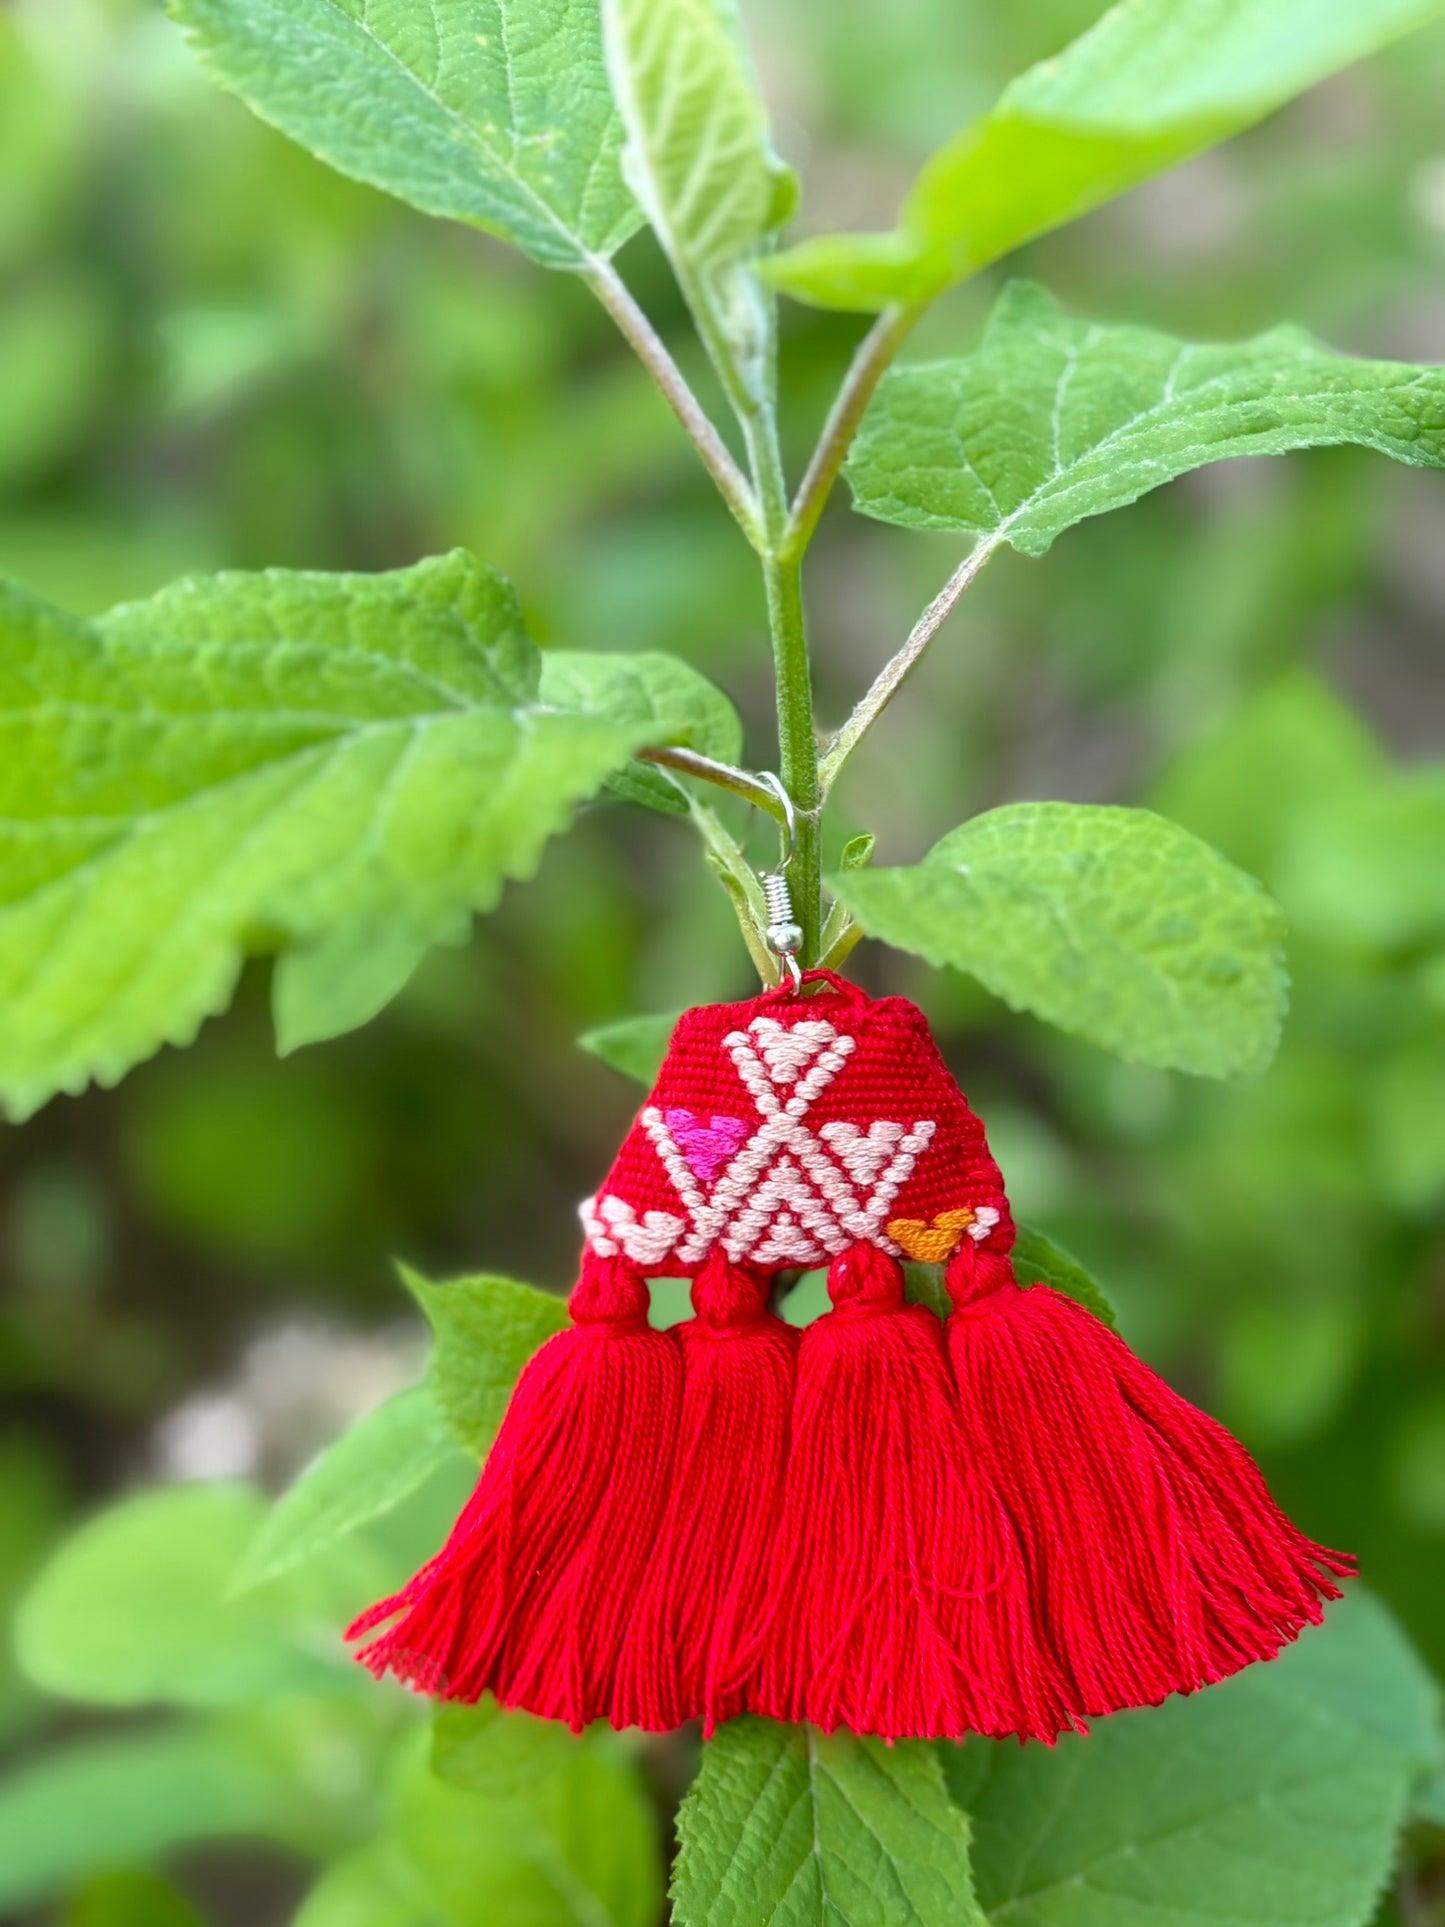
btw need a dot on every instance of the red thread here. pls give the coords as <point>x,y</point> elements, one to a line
<point>1157,1560</point>
<point>530,1597</point>
<point>897,1588</point>
<point>706,1587</point>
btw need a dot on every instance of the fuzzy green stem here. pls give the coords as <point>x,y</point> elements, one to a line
<point>748,377</point>
<point>792,675</point>
<point>645,342</point>
<point>741,782</point>
<point>797,743</point>
<point>891,676</point>
<point>870,364</point>
<point>740,881</point>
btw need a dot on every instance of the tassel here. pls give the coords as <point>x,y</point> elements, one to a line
<point>1157,1560</point>
<point>1005,1531</point>
<point>706,1586</point>
<point>530,1597</point>
<point>896,1584</point>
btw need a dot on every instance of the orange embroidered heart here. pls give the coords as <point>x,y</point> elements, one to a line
<point>932,1243</point>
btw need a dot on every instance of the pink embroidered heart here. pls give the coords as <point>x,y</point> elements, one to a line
<point>707,1146</point>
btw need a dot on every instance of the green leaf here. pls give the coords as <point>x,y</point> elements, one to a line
<point>923,1285</point>
<point>1039,1261</point>
<point>491,1750</point>
<point>1052,419</point>
<point>1110,923</point>
<point>495,112</point>
<point>485,1330</point>
<point>101,1802</point>
<point>1151,83</point>
<point>350,976</point>
<point>635,1046</point>
<point>134,1610</point>
<point>1362,1667</point>
<point>366,1473</point>
<point>661,694</point>
<point>791,1826</point>
<point>840,933</point>
<point>577,1848</point>
<point>698,158</point>
<point>1273,1800</point>
<point>698,154</point>
<point>252,762</point>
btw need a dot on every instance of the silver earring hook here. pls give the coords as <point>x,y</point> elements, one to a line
<point>783,934</point>
<point>789,824</point>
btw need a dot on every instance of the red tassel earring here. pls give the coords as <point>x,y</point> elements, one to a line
<point>530,1596</point>
<point>1006,1531</point>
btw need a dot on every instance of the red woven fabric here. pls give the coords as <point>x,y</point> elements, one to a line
<point>1004,1530</point>
<point>785,1129</point>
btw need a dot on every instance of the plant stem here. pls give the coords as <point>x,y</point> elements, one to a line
<point>763,512</point>
<point>875,352</point>
<point>740,881</point>
<point>792,675</point>
<point>741,782</point>
<point>889,679</point>
<point>797,744</point>
<point>651,351</point>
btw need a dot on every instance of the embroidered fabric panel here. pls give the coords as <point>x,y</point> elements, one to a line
<point>786,1136</point>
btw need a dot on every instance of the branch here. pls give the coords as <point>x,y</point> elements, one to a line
<point>869,364</point>
<point>890,678</point>
<point>652,352</point>
<point>688,762</point>
<point>740,881</point>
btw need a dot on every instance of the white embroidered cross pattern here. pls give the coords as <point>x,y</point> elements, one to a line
<point>788,1195</point>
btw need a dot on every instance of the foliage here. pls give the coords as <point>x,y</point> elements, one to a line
<point>336,771</point>
<point>366,1473</point>
<point>1150,84</point>
<point>486,112</point>
<point>1113,924</point>
<point>1297,1767</point>
<point>286,758</point>
<point>788,1824</point>
<point>1054,419</point>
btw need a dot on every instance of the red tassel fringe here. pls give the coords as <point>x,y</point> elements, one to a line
<point>1007,1529</point>
<point>705,1592</point>
<point>896,1586</point>
<point>1157,1561</point>
<point>530,1597</point>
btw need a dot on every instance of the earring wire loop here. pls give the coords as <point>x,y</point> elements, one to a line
<point>783,934</point>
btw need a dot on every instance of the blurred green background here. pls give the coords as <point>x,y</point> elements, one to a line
<point>214,353</point>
